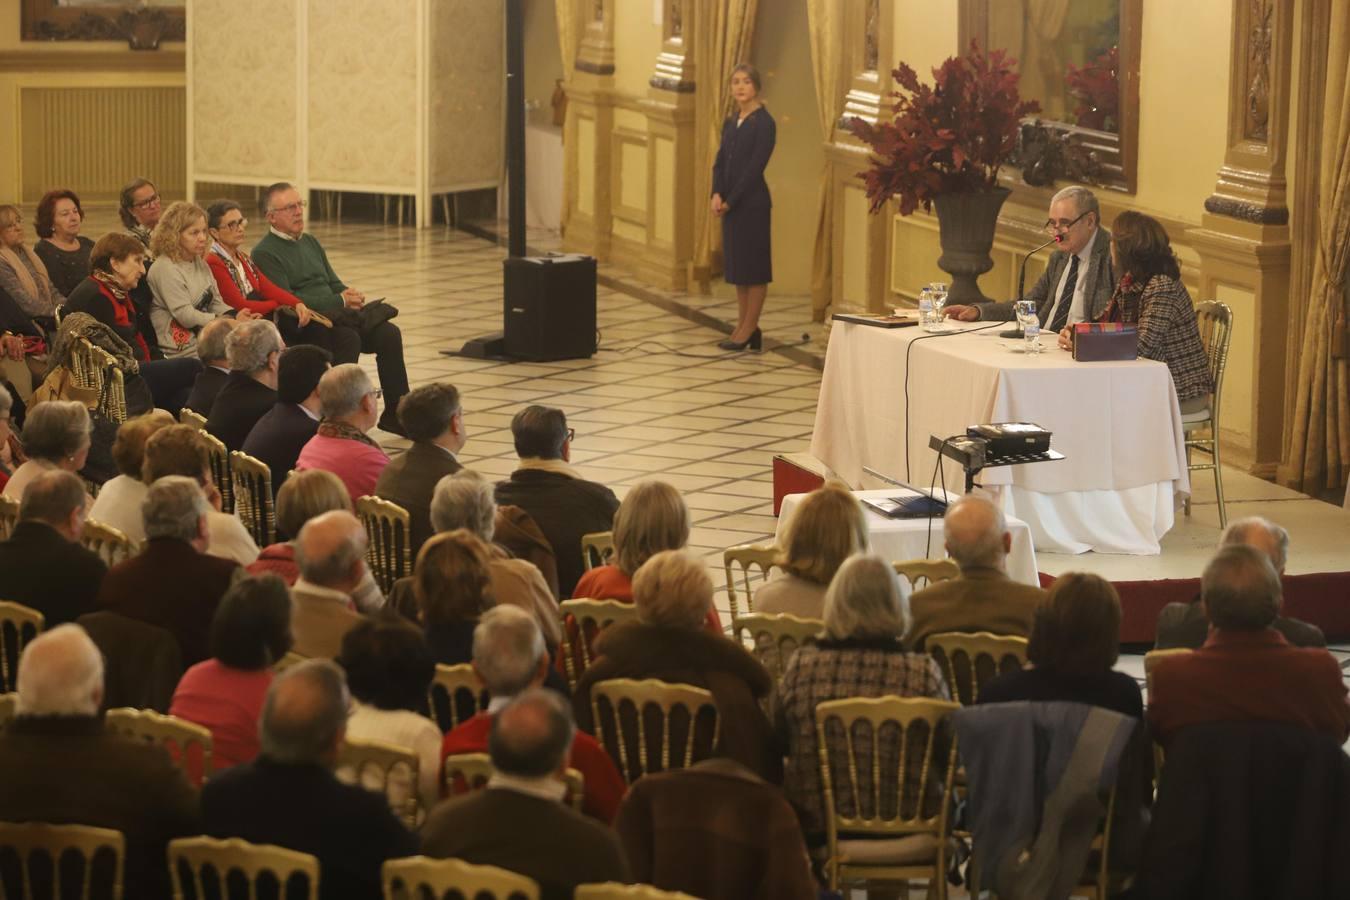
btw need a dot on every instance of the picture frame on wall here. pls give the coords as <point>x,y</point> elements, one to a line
<point>143,25</point>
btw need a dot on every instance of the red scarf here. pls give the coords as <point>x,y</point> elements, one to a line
<point>124,311</point>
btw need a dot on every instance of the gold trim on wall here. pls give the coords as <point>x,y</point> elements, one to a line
<point>92,60</point>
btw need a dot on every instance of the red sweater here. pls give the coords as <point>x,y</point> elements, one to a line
<point>272,295</point>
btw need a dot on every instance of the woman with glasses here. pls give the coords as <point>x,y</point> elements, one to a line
<point>23,276</point>
<point>63,250</point>
<point>140,209</point>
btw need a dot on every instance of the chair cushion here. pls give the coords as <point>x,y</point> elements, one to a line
<point>1195,418</point>
<point>911,850</point>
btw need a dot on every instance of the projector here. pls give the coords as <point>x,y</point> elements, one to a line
<point>1006,439</point>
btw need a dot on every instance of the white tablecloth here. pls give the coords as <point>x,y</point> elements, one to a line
<point>899,539</point>
<point>1117,423</point>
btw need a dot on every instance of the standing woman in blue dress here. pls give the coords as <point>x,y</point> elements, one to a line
<point>741,199</point>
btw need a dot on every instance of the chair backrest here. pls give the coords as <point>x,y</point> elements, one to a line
<point>19,624</point>
<point>9,707</point>
<point>389,553</point>
<point>111,545</point>
<point>969,659</point>
<point>640,716</point>
<point>9,516</point>
<point>597,549</point>
<point>467,772</point>
<point>196,862</point>
<point>253,497</point>
<point>613,890</point>
<point>142,663</point>
<point>861,740</point>
<point>1216,333</point>
<point>775,637</point>
<point>95,368</point>
<point>189,744</point>
<point>195,419</point>
<point>291,658</point>
<point>421,876</point>
<point>582,621</point>
<point>220,470</point>
<point>383,760</point>
<point>100,853</point>
<point>741,561</point>
<point>1151,660</point>
<point>455,695</point>
<point>930,571</point>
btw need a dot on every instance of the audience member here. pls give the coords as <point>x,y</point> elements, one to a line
<point>330,552</point>
<point>289,797</point>
<point>984,598</point>
<point>563,504</point>
<point>215,365</point>
<point>350,405</point>
<point>297,263</point>
<point>173,582</point>
<point>253,350</point>
<point>509,657</point>
<point>452,584</point>
<point>185,293</point>
<point>42,565</point>
<point>1185,625</point>
<point>10,451</point>
<point>389,670</point>
<point>860,654</point>
<point>62,249</point>
<point>180,450</point>
<point>433,420</point>
<point>22,274</point>
<point>250,633</point>
<point>140,208</point>
<point>1246,669</point>
<point>672,592</point>
<point>826,528</point>
<point>56,435</point>
<point>519,822</point>
<point>118,503</point>
<point>278,437</point>
<point>64,767</point>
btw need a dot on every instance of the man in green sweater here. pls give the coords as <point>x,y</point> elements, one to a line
<point>296,261</point>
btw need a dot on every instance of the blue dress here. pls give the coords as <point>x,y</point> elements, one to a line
<point>738,175</point>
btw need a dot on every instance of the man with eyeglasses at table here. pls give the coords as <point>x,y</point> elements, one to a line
<point>1078,280</point>
<point>297,263</point>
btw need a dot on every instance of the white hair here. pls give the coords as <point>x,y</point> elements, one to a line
<point>249,345</point>
<point>866,599</point>
<point>1083,199</point>
<point>341,390</point>
<point>464,500</point>
<point>507,647</point>
<point>60,674</point>
<point>1237,533</point>
<point>974,547</point>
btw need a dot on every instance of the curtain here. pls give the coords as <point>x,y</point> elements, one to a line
<point>565,12</point>
<point>723,32</point>
<point>826,34</point>
<point>1319,453</point>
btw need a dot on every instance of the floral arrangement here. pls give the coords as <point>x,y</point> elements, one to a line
<point>952,136</point>
<point>1096,87</point>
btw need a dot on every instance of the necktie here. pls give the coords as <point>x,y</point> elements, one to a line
<point>1065,299</point>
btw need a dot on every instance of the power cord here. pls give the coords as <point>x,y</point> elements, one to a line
<point>910,349</point>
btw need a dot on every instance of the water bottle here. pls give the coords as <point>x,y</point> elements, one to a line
<point>926,309</point>
<point>1031,333</point>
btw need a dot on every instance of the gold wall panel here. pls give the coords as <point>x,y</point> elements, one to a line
<point>467,93</point>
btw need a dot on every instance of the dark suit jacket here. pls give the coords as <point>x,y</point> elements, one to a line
<point>1185,625</point>
<point>173,586</point>
<point>409,480</point>
<point>242,401</point>
<point>541,839</point>
<point>277,439</point>
<point>564,508</point>
<point>69,770</point>
<point>41,569</point>
<point>1101,284</point>
<point>305,808</point>
<point>141,663</point>
<point>209,382</point>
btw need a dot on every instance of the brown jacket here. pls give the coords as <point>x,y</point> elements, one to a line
<point>520,535</point>
<point>319,622</point>
<point>980,600</point>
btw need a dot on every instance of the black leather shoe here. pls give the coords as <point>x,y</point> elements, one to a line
<point>755,342</point>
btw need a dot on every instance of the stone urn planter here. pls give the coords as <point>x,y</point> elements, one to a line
<point>966,222</point>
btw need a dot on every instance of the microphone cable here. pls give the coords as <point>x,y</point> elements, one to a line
<point>909,349</point>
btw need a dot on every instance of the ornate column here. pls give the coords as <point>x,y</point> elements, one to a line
<point>1243,238</point>
<point>587,148</point>
<point>670,158</point>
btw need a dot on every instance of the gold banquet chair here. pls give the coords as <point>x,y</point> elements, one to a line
<point>422,876</point>
<point>9,516</point>
<point>613,890</point>
<point>19,624</point>
<point>196,862</point>
<point>190,745</point>
<point>99,852</point>
<point>633,706</point>
<point>194,419</point>
<point>449,688</point>
<point>774,637</point>
<point>252,482</point>
<point>290,659</point>
<point>9,708</point>
<point>388,553</point>
<point>96,369</point>
<point>220,470</point>
<point>111,545</point>
<point>1216,333</point>
<point>931,571</point>
<point>384,760</point>
<point>745,558</point>
<point>597,549</point>
<point>468,772</point>
<point>901,822</point>
<point>969,659</point>
<point>582,620</point>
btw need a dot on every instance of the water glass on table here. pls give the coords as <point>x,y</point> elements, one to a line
<point>939,292</point>
<point>1031,325</point>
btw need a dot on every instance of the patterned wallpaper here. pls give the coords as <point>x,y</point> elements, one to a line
<point>467,72</point>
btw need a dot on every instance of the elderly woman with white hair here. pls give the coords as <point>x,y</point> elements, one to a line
<point>57,435</point>
<point>860,654</point>
<point>672,592</point>
<point>350,405</point>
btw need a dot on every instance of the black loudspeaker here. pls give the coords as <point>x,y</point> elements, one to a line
<point>550,307</point>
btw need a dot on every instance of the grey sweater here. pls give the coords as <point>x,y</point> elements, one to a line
<point>185,295</point>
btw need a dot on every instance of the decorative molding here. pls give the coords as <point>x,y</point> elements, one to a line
<point>674,85</point>
<point>871,36</point>
<point>1246,211</point>
<point>27,60</point>
<point>1260,44</point>
<point>142,27</point>
<point>675,63</point>
<point>595,68</point>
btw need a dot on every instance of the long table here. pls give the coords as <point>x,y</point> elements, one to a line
<point>1117,423</point>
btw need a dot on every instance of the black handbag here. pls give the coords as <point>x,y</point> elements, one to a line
<point>367,318</point>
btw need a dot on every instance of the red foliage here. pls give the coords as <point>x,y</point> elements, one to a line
<point>1096,87</point>
<point>950,137</point>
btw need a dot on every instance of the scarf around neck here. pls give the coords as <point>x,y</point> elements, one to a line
<point>232,266</point>
<point>343,431</point>
<point>32,276</point>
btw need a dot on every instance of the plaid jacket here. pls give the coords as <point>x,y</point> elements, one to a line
<point>1168,330</point>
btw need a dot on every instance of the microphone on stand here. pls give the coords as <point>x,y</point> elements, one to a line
<point>1022,282</point>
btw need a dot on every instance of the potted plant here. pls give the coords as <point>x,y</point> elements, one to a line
<point>944,147</point>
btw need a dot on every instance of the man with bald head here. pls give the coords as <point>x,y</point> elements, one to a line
<point>984,598</point>
<point>42,565</point>
<point>289,796</point>
<point>64,767</point>
<point>331,555</point>
<point>520,822</point>
<point>1185,625</point>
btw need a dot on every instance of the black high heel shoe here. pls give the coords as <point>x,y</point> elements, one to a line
<point>755,342</point>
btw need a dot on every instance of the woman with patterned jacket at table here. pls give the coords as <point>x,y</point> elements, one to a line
<point>741,200</point>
